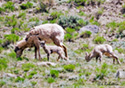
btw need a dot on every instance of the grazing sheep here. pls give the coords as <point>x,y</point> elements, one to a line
<point>99,50</point>
<point>53,49</point>
<point>32,41</point>
<point>49,33</point>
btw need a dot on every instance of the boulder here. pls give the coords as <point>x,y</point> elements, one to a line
<point>120,74</point>
<point>92,28</point>
<point>46,64</point>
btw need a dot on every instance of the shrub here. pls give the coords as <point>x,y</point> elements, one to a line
<point>113,25</point>
<point>85,46</point>
<point>121,29</point>
<point>123,83</point>
<point>99,40</point>
<point>11,21</point>
<point>26,6</point>
<point>2,9</point>
<point>27,66</point>
<point>3,63</point>
<point>14,29</point>
<point>22,15</point>
<point>54,73</point>
<point>2,83</point>
<point>69,67</point>
<point>33,83</point>
<point>56,14</point>
<point>120,50</point>
<point>86,34</point>
<point>103,72</point>
<point>9,6</point>
<point>67,37</point>
<point>11,38</point>
<point>12,54</point>
<point>71,21</point>
<point>1,49</point>
<point>93,22</point>
<point>19,79</point>
<point>50,80</point>
<point>82,13</point>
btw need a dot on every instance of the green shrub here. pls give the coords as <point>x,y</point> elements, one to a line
<point>11,21</point>
<point>93,22</point>
<point>12,54</point>
<point>22,15</point>
<point>33,83</point>
<point>67,37</point>
<point>121,29</point>
<point>85,34</point>
<point>78,51</point>
<point>2,9</point>
<point>11,38</point>
<point>85,46</point>
<point>69,67</point>
<point>9,6</point>
<point>99,40</point>
<point>71,22</point>
<point>56,14</point>
<point>82,13</point>
<point>2,83</point>
<point>19,79</point>
<point>3,63</point>
<point>1,49</point>
<point>26,67</point>
<point>123,83</point>
<point>32,73</point>
<point>26,6</point>
<point>50,80</point>
<point>120,50</point>
<point>103,72</point>
<point>54,73</point>
<point>14,29</point>
<point>113,25</point>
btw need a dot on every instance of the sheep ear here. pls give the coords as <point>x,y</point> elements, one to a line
<point>86,53</point>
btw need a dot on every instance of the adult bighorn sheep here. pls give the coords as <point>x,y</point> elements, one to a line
<point>32,41</point>
<point>99,50</point>
<point>53,49</point>
<point>49,33</point>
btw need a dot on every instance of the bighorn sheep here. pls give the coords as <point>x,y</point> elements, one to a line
<point>32,41</point>
<point>99,50</point>
<point>52,49</point>
<point>49,33</point>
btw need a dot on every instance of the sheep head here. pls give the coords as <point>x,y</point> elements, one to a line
<point>19,48</point>
<point>87,57</point>
<point>42,43</point>
<point>18,51</point>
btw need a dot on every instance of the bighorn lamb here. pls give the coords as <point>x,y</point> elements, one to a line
<point>32,41</point>
<point>53,49</point>
<point>99,50</point>
<point>49,33</point>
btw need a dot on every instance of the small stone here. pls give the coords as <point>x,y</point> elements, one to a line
<point>120,74</point>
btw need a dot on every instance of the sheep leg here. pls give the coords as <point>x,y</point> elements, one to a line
<point>48,56</point>
<point>115,57</point>
<point>96,59</point>
<point>100,57</point>
<point>58,58</point>
<point>35,53</point>
<point>65,50</point>
<point>37,48</point>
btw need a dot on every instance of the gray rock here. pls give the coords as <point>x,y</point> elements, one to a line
<point>120,74</point>
<point>92,28</point>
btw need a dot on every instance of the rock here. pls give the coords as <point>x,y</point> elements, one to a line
<point>10,75</point>
<point>92,28</point>
<point>46,64</point>
<point>59,69</point>
<point>120,74</point>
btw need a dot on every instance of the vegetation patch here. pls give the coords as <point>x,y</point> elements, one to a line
<point>99,40</point>
<point>69,68</point>
<point>3,63</point>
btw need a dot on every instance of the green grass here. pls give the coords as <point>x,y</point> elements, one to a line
<point>11,38</point>
<point>2,83</point>
<point>27,66</point>
<point>50,80</point>
<point>54,73</point>
<point>26,6</point>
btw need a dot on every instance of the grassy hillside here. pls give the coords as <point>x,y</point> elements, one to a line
<point>17,17</point>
